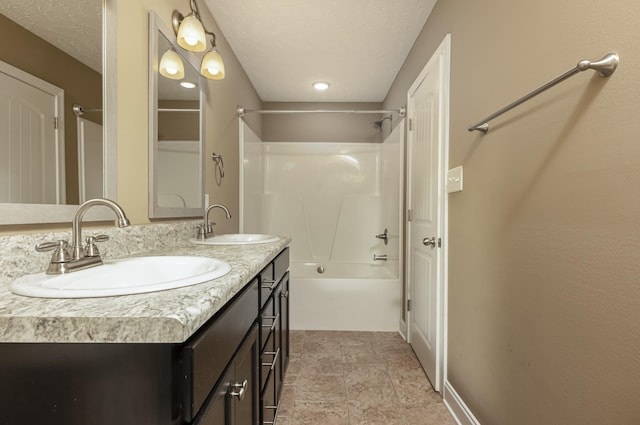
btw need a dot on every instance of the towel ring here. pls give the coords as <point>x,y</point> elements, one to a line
<point>219,164</point>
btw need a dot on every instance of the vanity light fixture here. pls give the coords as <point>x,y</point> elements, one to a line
<point>171,65</point>
<point>191,35</point>
<point>187,84</point>
<point>320,85</point>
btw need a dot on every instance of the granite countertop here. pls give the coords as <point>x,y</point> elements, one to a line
<point>170,316</point>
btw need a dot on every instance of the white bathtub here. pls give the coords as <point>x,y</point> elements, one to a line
<point>346,296</point>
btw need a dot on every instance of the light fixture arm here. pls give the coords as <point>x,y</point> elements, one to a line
<point>213,38</point>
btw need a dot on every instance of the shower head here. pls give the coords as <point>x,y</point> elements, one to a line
<point>377,125</point>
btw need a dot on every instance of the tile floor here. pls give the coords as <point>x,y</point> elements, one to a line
<point>357,378</point>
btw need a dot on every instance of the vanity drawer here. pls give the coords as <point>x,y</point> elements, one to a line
<point>270,276</point>
<point>268,401</point>
<point>268,322</point>
<point>205,356</point>
<point>281,265</point>
<point>267,283</point>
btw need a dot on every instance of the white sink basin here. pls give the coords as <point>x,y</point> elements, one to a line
<point>123,277</point>
<point>236,239</point>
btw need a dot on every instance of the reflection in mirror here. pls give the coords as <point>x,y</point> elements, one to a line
<point>51,159</point>
<point>176,148</point>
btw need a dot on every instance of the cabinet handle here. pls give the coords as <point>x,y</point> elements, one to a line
<point>275,358</point>
<point>270,284</point>
<point>275,318</point>
<point>239,393</point>
<point>275,415</point>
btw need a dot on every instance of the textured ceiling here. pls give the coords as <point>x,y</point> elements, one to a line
<point>73,26</point>
<point>356,45</point>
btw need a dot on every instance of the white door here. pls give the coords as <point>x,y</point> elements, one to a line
<point>90,153</point>
<point>32,160</point>
<point>427,109</point>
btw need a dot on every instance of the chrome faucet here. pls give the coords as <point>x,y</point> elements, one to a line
<point>77,257</point>
<point>205,230</point>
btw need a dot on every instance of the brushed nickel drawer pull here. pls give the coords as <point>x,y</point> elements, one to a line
<point>275,358</point>
<point>275,415</point>
<point>275,319</point>
<point>239,393</point>
<point>270,284</point>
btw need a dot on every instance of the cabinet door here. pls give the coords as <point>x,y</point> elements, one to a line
<point>243,395</point>
<point>235,401</point>
<point>281,298</point>
<point>284,323</point>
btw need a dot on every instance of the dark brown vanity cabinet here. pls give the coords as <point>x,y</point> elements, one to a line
<point>219,367</point>
<point>216,377</point>
<point>274,335</point>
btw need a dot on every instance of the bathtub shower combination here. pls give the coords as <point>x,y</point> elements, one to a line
<point>333,200</point>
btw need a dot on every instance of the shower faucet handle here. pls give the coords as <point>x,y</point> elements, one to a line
<point>384,236</point>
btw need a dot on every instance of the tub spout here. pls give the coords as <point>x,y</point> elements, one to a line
<point>379,257</point>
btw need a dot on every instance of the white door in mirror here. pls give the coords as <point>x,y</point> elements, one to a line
<point>123,277</point>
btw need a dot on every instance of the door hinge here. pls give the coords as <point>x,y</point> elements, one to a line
<point>409,215</point>
<point>410,124</point>
<point>408,305</point>
<point>55,123</point>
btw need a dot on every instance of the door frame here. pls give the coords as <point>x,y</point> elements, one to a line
<point>443,53</point>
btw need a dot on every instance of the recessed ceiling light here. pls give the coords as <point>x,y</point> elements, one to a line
<point>320,85</point>
<point>187,84</point>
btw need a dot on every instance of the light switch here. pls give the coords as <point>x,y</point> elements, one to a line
<point>454,179</point>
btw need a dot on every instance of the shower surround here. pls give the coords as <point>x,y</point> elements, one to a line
<point>332,199</point>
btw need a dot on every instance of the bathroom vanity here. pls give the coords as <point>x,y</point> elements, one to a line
<point>212,354</point>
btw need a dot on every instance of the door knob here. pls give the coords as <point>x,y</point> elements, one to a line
<point>429,242</point>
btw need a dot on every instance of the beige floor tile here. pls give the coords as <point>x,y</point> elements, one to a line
<point>364,414</point>
<point>320,413</point>
<point>357,378</point>
<point>319,388</point>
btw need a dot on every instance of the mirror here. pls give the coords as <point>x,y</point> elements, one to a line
<point>62,59</point>
<point>176,145</point>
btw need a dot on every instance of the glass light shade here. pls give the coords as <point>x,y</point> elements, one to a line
<point>171,65</point>
<point>212,66</point>
<point>191,34</point>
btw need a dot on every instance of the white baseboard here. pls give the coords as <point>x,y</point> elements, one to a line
<point>457,407</point>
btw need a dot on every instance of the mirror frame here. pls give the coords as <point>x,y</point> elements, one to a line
<point>157,26</point>
<point>11,214</point>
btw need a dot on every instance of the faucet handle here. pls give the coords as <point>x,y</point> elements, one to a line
<point>61,252</point>
<point>202,232</point>
<point>90,249</point>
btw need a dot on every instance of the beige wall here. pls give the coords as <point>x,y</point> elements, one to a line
<point>544,271</point>
<point>340,127</point>
<point>81,84</point>
<point>179,125</point>
<point>221,121</point>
